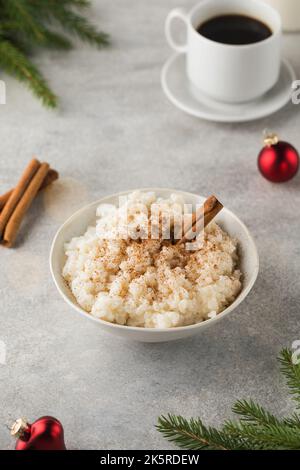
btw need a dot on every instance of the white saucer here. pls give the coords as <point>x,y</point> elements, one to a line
<point>186,97</point>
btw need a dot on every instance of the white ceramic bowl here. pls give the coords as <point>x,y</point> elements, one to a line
<point>77,224</point>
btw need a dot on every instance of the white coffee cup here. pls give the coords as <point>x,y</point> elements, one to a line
<point>225,72</point>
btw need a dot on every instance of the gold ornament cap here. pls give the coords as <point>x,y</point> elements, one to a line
<point>270,138</point>
<point>19,428</point>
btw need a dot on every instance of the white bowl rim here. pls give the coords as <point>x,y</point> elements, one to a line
<point>210,321</point>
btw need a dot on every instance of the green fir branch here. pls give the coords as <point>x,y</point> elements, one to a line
<point>266,437</point>
<point>19,12</point>
<point>80,27</point>
<point>194,435</point>
<point>256,428</point>
<point>28,24</point>
<point>16,63</point>
<point>292,374</point>
<point>64,14</point>
<point>254,414</point>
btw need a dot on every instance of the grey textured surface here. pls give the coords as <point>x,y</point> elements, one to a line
<point>115,131</point>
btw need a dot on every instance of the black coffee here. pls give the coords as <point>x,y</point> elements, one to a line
<point>234,29</point>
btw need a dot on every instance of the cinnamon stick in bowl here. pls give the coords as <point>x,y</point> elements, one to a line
<point>200,219</point>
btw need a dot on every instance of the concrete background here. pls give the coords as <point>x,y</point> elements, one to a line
<point>114,131</point>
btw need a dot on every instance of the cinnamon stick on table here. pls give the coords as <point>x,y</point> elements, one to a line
<point>14,222</point>
<point>52,176</point>
<point>17,193</point>
<point>201,218</point>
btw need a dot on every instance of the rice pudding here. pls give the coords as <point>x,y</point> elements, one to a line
<point>120,274</point>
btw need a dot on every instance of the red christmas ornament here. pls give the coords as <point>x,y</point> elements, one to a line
<point>278,161</point>
<point>45,433</point>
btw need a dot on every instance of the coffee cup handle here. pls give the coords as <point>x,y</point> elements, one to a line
<point>176,13</point>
